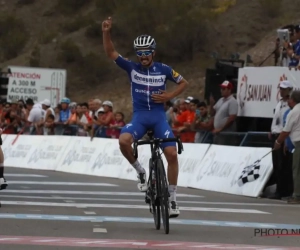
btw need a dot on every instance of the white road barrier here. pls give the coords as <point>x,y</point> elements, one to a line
<point>202,166</point>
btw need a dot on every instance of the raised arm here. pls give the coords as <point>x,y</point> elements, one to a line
<point>107,43</point>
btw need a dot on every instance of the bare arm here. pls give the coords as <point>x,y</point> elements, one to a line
<point>107,43</point>
<point>180,88</point>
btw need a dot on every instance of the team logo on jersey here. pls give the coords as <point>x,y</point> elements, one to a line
<point>175,74</point>
<point>156,80</point>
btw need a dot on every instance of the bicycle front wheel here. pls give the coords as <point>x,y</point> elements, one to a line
<point>154,199</point>
<point>162,185</point>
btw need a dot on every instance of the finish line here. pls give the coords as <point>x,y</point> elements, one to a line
<point>132,244</point>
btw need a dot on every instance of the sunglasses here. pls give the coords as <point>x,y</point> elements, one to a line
<point>144,53</point>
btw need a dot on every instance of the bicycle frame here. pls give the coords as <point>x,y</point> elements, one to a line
<point>157,194</point>
<point>154,145</point>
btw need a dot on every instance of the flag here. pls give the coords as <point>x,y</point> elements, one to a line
<point>249,173</point>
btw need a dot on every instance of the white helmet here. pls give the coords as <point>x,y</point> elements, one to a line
<point>144,42</point>
<point>107,103</point>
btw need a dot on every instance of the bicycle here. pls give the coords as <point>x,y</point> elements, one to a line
<point>157,195</point>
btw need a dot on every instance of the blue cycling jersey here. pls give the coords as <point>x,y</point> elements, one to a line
<point>147,81</point>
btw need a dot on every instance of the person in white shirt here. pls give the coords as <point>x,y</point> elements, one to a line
<point>46,106</point>
<point>279,177</point>
<point>292,129</point>
<point>36,115</point>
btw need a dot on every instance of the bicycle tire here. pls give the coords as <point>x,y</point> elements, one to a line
<point>163,194</point>
<point>154,199</point>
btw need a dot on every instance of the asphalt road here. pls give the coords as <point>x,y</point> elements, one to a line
<point>53,210</point>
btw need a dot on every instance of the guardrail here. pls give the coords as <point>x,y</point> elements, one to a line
<point>243,139</point>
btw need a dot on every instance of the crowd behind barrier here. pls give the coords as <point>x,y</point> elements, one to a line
<point>243,139</point>
<point>189,118</point>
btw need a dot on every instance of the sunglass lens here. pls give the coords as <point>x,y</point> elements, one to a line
<point>144,53</point>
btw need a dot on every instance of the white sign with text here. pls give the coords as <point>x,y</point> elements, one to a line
<point>258,89</point>
<point>37,84</point>
<point>202,166</point>
<point>222,166</point>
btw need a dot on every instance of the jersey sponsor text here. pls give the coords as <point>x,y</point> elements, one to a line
<point>148,80</point>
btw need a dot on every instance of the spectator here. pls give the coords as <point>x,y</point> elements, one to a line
<point>179,117</point>
<point>71,129</point>
<point>190,117</point>
<point>98,130</point>
<point>117,125</point>
<point>23,111</point>
<point>49,125</point>
<point>224,112</point>
<point>288,159</point>
<point>168,107</point>
<point>94,107</point>
<point>292,129</point>
<point>57,113</point>
<point>75,111</point>
<point>82,120</point>
<point>278,176</point>
<point>65,112</point>
<point>293,50</point>
<point>46,106</point>
<point>36,115</point>
<point>12,118</point>
<point>202,122</point>
<point>282,47</point>
<point>108,117</point>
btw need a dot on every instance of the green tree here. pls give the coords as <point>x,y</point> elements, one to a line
<point>13,36</point>
<point>178,26</point>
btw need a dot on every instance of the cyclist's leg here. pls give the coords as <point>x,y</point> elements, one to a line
<point>130,132</point>
<point>163,130</point>
<point>3,183</point>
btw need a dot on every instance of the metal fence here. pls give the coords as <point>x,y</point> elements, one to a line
<point>243,139</point>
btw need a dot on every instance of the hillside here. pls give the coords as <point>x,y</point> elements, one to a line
<point>67,34</point>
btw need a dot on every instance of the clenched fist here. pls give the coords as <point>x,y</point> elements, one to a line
<point>106,24</point>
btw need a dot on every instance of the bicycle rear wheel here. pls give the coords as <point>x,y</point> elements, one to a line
<point>162,186</point>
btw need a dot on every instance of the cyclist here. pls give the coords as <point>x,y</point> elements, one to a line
<point>3,182</point>
<point>148,90</point>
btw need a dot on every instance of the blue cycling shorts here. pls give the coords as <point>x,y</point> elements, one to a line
<point>142,121</point>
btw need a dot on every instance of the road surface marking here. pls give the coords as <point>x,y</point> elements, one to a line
<point>129,244</point>
<point>62,183</point>
<point>97,219</point>
<point>99,230</point>
<point>26,175</point>
<point>86,192</point>
<point>56,197</point>
<point>89,213</point>
<point>129,206</point>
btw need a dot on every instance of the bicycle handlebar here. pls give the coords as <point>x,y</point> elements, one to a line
<point>156,141</point>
